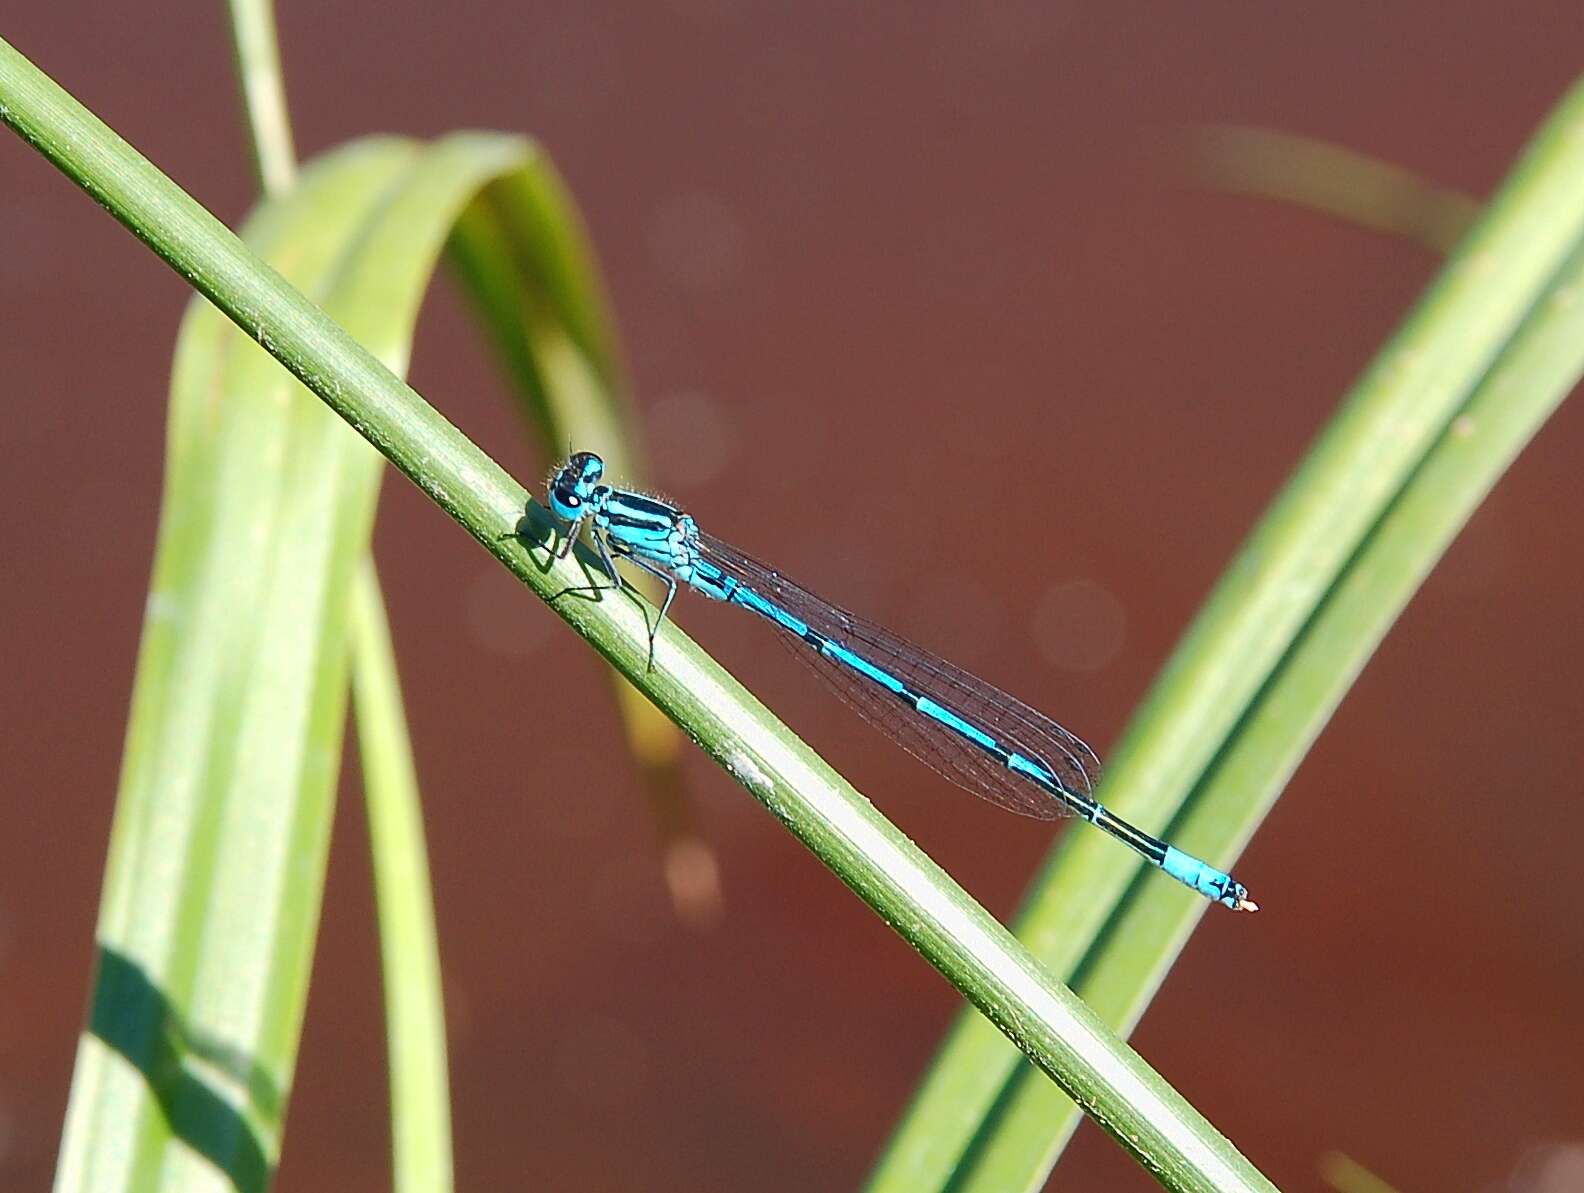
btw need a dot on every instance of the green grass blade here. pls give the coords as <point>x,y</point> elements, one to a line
<point>550,248</point>
<point>523,257</point>
<point>409,951</point>
<point>1533,376</point>
<point>216,868</point>
<point>263,94</point>
<point>1338,181</point>
<point>409,956</point>
<point>1233,712</point>
<point>544,313</point>
<point>958,937</point>
<point>182,1076</point>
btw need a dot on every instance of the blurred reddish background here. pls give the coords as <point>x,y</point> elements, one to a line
<point>950,240</point>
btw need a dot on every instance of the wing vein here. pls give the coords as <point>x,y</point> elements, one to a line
<point>1071,763</point>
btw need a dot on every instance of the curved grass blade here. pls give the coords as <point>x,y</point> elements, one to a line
<point>409,951</point>
<point>216,867</point>
<point>524,258</point>
<point>1159,1129</point>
<point>1234,710</point>
<point>1352,186</point>
<point>169,1089</point>
<point>1534,375</point>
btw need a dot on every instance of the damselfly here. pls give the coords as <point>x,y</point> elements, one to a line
<point>974,734</point>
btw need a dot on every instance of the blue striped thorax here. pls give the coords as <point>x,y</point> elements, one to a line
<point>648,529</point>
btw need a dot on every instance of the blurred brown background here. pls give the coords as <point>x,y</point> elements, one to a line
<point>877,253</point>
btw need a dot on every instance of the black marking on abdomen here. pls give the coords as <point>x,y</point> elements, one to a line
<point>1149,846</point>
<point>909,699</point>
<point>1042,777</point>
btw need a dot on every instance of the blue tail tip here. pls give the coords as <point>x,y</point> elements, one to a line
<point>1236,897</point>
<point>1207,880</point>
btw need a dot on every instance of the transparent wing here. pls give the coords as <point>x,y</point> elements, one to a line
<point>1012,723</point>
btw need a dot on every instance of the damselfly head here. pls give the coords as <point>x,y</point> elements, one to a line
<point>573,485</point>
<point>587,466</point>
